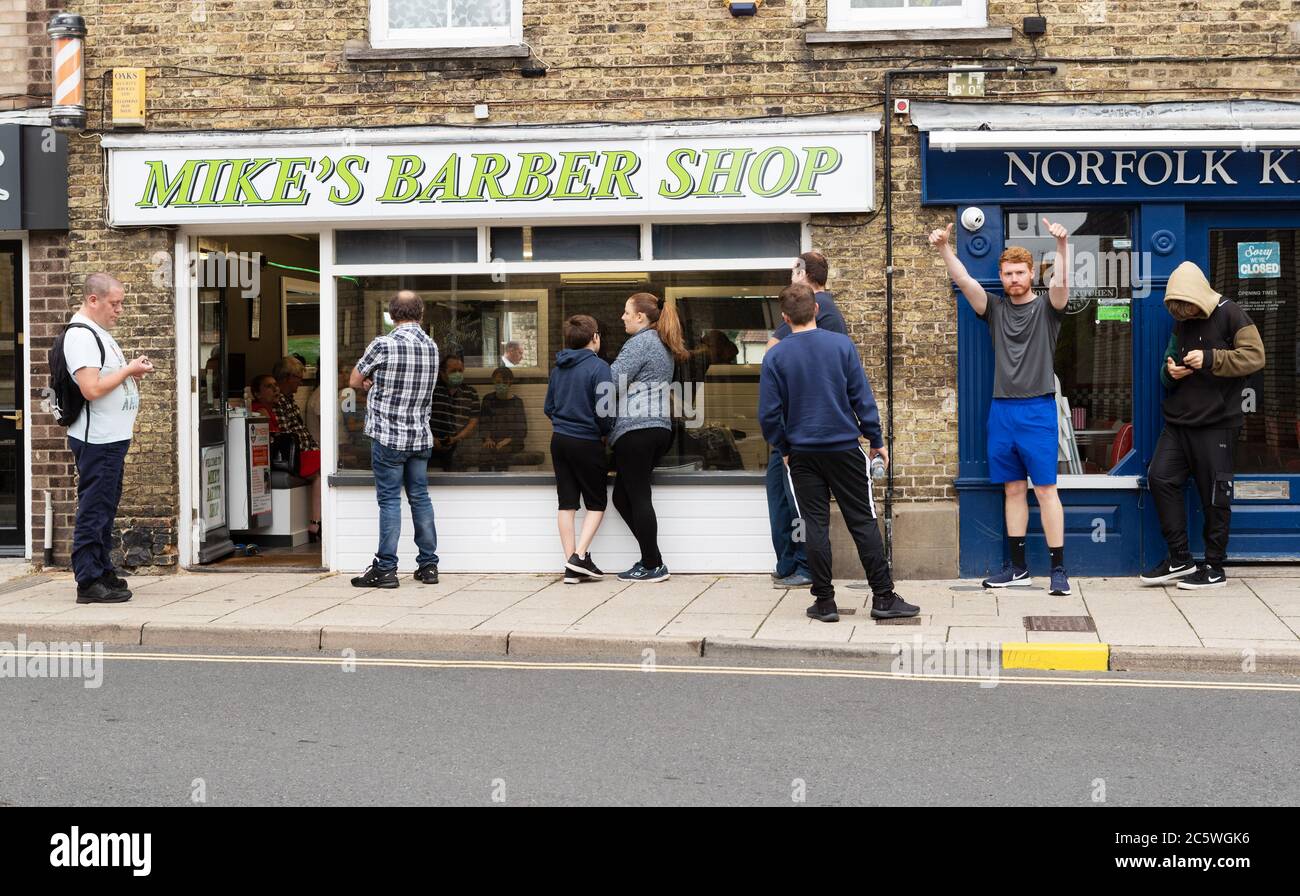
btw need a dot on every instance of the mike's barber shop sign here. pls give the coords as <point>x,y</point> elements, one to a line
<point>572,177</point>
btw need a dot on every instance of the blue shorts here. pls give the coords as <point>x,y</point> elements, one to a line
<point>1023,439</point>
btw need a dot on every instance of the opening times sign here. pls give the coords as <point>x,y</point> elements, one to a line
<point>659,176</point>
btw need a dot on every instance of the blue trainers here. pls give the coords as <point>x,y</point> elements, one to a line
<point>1060,582</point>
<point>640,573</point>
<point>1010,576</point>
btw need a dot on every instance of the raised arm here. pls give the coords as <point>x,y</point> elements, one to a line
<point>1058,291</point>
<point>941,241</point>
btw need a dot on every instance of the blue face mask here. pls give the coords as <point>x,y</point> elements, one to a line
<point>455,378</point>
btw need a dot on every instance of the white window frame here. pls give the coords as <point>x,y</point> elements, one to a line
<point>842,17</point>
<point>381,36</point>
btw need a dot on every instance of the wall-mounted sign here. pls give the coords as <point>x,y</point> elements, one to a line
<point>33,178</point>
<point>330,180</point>
<point>1262,260</point>
<point>128,97</point>
<point>1108,174</point>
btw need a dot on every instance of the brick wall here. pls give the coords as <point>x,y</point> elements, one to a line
<point>280,64</point>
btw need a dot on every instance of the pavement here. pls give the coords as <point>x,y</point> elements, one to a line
<point>1253,624</point>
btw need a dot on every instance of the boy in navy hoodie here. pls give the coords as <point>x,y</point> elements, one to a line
<point>579,404</point>
<point>814,404</point>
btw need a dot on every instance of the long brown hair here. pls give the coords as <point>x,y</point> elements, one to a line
<point>664,320</point>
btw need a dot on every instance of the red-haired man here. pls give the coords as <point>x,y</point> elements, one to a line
<point>1022,425</point>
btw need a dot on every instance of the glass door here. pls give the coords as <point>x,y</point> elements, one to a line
<point>1254,260</point>
<point>13,468</point>
<point>213,385</point>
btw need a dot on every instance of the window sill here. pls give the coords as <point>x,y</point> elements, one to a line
<point>360,479</point>
<point>361,51</point>
<point>812,36</point>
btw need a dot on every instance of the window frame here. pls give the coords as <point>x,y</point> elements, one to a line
<point>384,37</point>
<point>840,16</point>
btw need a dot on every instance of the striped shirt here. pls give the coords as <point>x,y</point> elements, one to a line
<point>403,366</point>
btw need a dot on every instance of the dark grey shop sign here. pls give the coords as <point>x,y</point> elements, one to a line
<point>33,178</point>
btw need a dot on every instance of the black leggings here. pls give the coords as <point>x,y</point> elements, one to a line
<point>635,456</point>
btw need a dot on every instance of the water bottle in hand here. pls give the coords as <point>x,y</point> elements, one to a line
<point>877,467</point>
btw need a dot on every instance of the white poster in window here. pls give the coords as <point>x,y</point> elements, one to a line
<point>213,473</point>
<point>259,468</point>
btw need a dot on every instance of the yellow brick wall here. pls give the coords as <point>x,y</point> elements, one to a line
<point>261,64</point>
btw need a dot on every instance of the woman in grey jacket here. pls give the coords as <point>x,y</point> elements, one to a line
<point>643,374</point>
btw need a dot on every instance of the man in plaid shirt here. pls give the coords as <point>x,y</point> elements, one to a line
<point>397,372</point>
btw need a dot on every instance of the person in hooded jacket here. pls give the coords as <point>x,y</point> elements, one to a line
<point>1213,348</point>
<point>579,399</point>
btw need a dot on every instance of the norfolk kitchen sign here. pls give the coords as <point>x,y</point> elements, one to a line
<point>353,176</point>
<point>1108,174</point>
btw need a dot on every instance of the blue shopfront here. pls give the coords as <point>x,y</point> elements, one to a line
<point>1141,189</point>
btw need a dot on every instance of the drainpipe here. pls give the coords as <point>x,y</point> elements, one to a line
<point>890,75</point>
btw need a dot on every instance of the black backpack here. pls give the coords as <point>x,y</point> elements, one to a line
<point>68,400</point>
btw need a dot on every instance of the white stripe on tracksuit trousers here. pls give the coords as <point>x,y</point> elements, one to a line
<point>822,473</point>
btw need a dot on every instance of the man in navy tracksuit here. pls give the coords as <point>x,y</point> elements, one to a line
<point>814,404</point>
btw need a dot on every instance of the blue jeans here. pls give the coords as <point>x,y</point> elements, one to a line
<point>393,469</point>
<point>791,558</point>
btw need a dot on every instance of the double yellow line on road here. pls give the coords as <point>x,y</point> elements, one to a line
<point>1108,681</point>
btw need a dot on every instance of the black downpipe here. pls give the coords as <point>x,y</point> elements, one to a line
<point>890,75</point>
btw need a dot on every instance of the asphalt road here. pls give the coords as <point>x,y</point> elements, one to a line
<point>236,732</point>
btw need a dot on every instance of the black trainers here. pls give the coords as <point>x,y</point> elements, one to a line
<point>824,611</point>
<point>583,566</point>
<point>1205,576</point>
<point>1167,571</point>
<point>892,607</point>
<point>99,593</point>
<point>427,574</point>
<point>571,577</point>
<point>374,577</point>
<point>113,580</point>
<point>640,573</point>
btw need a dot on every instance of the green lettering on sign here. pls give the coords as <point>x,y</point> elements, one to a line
<point>534,172</point>
<point>403,179</point>
<point>620,165</point>
<point>818,160</point>
<point>685,182</point>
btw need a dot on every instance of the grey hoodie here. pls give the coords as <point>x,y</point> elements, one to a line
<point>642,374</point>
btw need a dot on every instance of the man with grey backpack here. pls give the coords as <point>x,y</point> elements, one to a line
<point>97,398</point>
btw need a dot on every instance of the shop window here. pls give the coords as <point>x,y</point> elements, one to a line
<point>411,246</point>
<point>678,241</point>
<point>445,23</point>
<point>727,318</point>
<point>620,243</point>
<point>1094,354</point>
<point>871,15</point>
<point>1259,270</point>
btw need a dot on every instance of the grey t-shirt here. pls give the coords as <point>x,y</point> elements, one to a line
<point>1024,345</point>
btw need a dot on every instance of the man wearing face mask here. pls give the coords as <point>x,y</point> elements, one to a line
<point>455,412</point>
<point>502,422</point>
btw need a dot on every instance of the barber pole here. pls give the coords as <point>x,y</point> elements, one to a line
<point>68,32</point>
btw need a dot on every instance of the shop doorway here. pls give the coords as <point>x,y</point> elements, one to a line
<point>256,316</point>
<point>13,467</point>
<point>1254,259</point>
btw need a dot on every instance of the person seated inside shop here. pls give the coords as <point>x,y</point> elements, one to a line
<point>455,416</point>
<point>288,373</point>
<point>265,396</point>
<point>502,422</point>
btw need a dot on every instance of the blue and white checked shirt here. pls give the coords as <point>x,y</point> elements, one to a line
<point>403,367</point>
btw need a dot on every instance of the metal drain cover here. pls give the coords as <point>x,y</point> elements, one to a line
<point>1060,624</point>
<point>908,620</point>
